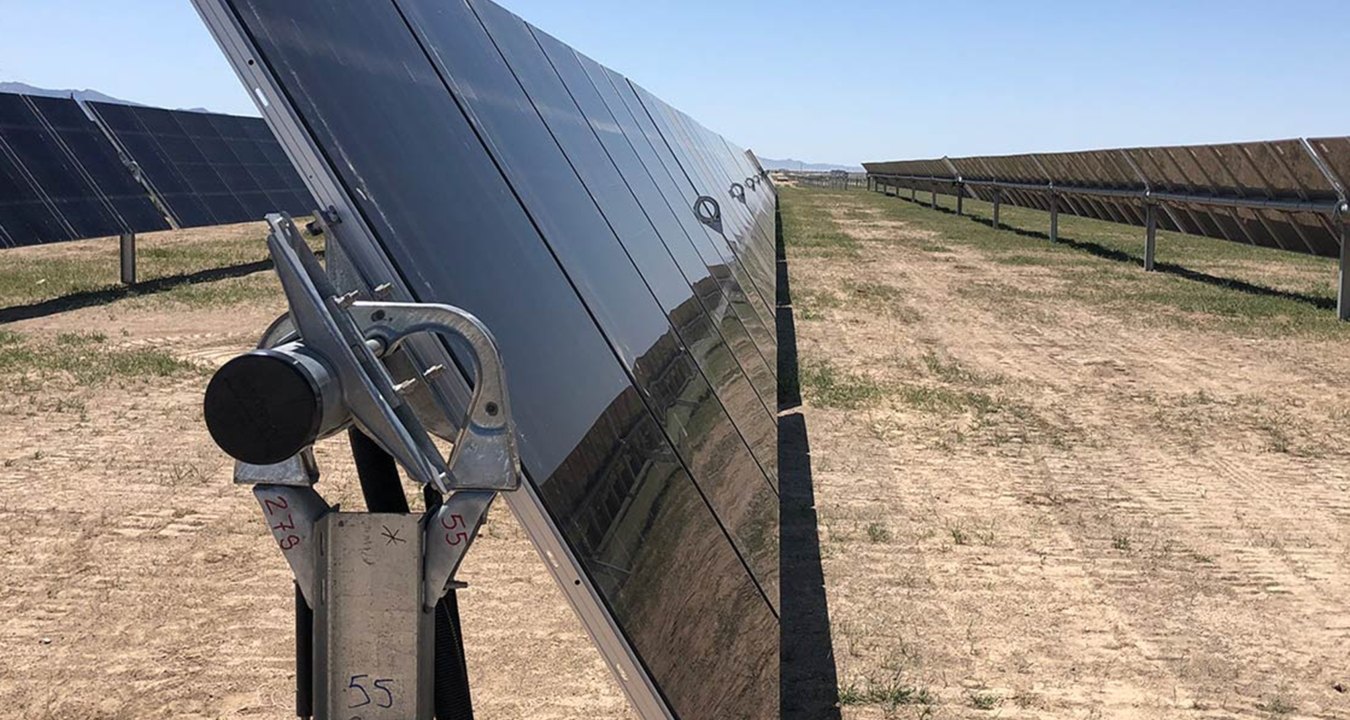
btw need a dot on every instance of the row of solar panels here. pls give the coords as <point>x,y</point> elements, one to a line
<point>1281,194</point>
<point>623,256</point>
<point>70,171</point>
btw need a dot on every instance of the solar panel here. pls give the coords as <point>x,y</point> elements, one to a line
<point>61,180</point>
<point>1278,194</point>
<point>207,169</point>
<point>499,171</point>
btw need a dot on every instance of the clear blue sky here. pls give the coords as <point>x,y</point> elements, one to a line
<point>835,81</point>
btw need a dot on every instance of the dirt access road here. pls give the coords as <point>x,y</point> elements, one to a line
<point>1050,485</point>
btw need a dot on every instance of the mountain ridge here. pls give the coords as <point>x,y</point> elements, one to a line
<point>85,95</point>
<point>803,166</point>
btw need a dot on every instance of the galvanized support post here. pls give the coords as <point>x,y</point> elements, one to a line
<point>1151,238</point>
<point>914,194</point>
<point>127,255</point>
<point>933,202</point>
<point>960,200</point>
<point>1343,294</point>
<point>1054,217</point>
<point>998,203</point>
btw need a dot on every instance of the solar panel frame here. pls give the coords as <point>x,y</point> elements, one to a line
<point>697,677</point>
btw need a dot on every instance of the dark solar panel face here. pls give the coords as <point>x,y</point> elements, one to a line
<point>101,165</point>
<point>61,179</point>
<point>554,201</point>
<point>208,169</point>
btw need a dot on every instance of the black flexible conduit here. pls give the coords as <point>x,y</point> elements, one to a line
<point>384,494</point>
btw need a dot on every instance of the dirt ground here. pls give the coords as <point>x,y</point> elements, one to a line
<point>138,583</point>
<point>1037,508</point>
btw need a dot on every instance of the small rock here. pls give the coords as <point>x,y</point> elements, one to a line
<point>1339,687</point>
<point>46,641</point>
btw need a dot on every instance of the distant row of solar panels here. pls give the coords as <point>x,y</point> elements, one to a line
<point>70,172</point>
<point>1281,194</point>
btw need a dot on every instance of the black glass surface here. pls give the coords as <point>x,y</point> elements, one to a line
<point>25,215</point>
<point>575,108</point>
<point>442,208</point>
<point>709,429</point>
<point>699,161</point>
<point>208,169</point>
<point>644,135</point>
<point>102,168</point>
<point>680,196</point>
<point>57,153</point>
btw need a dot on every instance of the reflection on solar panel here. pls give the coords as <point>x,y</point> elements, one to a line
<point>60,179</point>
<point>623,256</point>
<point>1286,194</point>
<point>207,169</point>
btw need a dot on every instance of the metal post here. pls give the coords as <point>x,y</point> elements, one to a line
<point>914,194</point>
<point>998,203</point>
<point>933,204</point>
<point>127,252</point>
<point>1151,239</point>
<point>1343,295</point>
<point>960,200</point>
<point>1054,218</point>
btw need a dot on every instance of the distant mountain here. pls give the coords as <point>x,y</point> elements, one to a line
<point>83,95</point>
<point>87,95</point>
<point>801,166</point>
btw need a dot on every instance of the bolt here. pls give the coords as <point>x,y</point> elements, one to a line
<point>383,291</point>
<point>346,301</point>
<point>433,372</point>
<point>405,387</point>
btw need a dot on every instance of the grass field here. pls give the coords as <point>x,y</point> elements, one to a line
<point>1052,485</point>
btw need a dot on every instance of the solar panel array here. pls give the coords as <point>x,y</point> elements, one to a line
<point>623,256</point>
<point>207,169</point>
<point>65,175</point>
<point>1282,194</point>
<point>60,179</point>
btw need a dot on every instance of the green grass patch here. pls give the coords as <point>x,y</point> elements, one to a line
<point>808,227</point>
<point>828,386</point>
<point>891,693</point>
<point>85,358</point>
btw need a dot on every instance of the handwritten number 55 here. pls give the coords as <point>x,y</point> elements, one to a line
<point>381,685</point>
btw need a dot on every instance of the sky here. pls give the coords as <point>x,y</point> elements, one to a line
<point>838,82</point>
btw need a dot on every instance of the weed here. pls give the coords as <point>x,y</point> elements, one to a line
<point>1277,705</point>
<point>878,533</point>
<point>828,386</point>
<point>984,700</point>
<point>1121,543</point>
<point>959,535</point>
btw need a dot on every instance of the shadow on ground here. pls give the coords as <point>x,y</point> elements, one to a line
<point>93,298</point>
<point>808,677</point>
<point>1107,253</point>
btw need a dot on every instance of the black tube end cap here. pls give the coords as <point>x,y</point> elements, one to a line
<point>263,408</point>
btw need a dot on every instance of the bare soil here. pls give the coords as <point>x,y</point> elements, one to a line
<point>1043,509</point>
<point>138,583</point>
